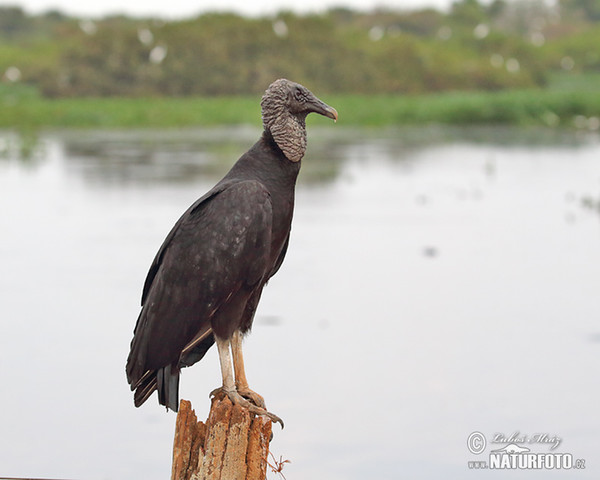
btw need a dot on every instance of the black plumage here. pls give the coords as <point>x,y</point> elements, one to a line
<point>206,280</point>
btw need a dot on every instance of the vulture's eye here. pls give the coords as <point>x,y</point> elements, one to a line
<point>299,94</point>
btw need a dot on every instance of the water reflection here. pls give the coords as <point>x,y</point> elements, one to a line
<point>190,154</point>
<point>438,282</point>
<point>24,146</point>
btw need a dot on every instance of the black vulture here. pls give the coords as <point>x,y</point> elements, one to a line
<point>207,278</point>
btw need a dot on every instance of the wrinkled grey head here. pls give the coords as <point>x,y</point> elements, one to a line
<point>285,106</point>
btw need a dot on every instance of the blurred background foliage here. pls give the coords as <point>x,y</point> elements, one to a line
<point>500,45</point>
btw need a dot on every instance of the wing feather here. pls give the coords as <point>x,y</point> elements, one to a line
<point>219,246</point>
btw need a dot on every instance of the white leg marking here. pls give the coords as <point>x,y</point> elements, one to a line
<point>225,360</point>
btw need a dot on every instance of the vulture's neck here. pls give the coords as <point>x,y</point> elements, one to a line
<point>288,131</point>
<point>267,163</point>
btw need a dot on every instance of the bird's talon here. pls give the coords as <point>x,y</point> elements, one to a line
<point>238,399</point>
<point>274,418</point>
<point>215,392</point>
<point>253,397</point>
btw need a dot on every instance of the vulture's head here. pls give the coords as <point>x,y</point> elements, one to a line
<point>285,106</point>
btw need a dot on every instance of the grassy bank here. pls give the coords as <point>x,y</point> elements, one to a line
<point>22,108</point>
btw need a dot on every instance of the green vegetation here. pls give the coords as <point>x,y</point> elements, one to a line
<point>129,112</point>
<point>475,46</point>
<point>518,62</point>
<point>551,106</point>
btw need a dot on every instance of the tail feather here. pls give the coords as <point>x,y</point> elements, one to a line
<point>165,380</point>
<point>144,388</point>
<point>168,387</point>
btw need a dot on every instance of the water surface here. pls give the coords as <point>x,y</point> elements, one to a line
<point>438,282</point>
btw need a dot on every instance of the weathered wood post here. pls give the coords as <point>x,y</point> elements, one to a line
<point>232,445</point>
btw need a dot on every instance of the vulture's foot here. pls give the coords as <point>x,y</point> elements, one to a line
<point>254,397</point>
<point>238,399</point>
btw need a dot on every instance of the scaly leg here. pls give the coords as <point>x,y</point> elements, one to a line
<point>229,386</point>
<point>225,360</point>
<point>241,383</point>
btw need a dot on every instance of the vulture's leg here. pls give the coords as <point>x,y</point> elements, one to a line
<point>241,384</point>
<point>229,386</point>
<point>225,360</point>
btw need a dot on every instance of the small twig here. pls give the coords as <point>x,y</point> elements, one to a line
<point>278,467</point>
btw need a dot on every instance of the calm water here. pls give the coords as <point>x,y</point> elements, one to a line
<point>438,282</point>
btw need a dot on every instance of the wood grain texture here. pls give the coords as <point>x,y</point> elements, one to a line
<point>232,445</point>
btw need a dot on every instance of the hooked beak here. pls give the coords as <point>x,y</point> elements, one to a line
<point>322,108</point>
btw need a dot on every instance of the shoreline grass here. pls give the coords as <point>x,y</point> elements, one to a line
<point>549,107</point>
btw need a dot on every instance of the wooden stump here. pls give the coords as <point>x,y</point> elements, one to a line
<point>232,445</point>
